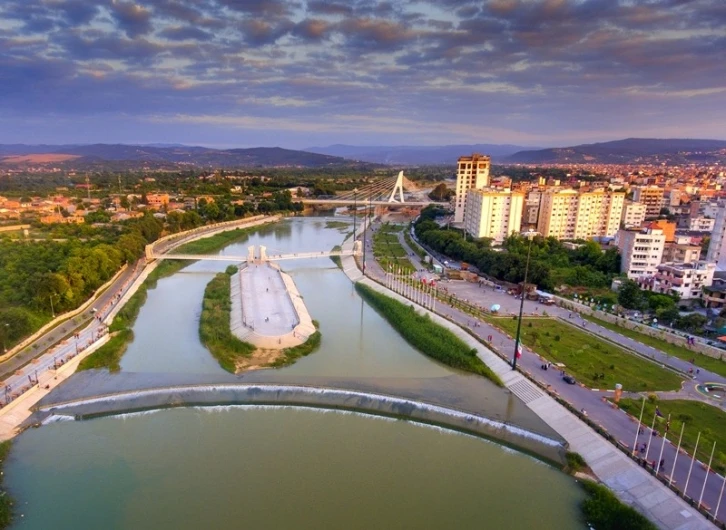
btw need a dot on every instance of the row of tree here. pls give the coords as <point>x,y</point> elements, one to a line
<point>551,263</point>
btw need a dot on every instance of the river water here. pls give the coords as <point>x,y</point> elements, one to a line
<point>278,467</point>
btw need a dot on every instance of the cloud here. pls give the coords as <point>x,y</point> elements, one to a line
<point>578,66</point>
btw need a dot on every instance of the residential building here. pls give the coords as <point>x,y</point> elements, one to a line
<point>652,197</point>
<point>668,227</point>
<point>641,251</point>
<point>493,214</point>
<point>567,214</point>
<point>717,246</point>
<point>714,295</point>
<point>472,172</point>
<point>158,200</point>
<point>633,214</point>
<point>701,224</point>
<point>686,281</point>
<point>681,253</point>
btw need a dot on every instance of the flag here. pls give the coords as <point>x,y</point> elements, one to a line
<point>519,350</point>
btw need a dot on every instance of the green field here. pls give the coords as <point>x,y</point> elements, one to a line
<point>594,362</point>
<point>716,366</point>
<point>388,251</point>
<point>697,416</point>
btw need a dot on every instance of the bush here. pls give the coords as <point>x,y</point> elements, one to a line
<point>426,336</point>
<point>575,462</point>
<point>603,510</point>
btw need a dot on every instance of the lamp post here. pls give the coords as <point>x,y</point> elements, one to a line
<point>355,210</point>
<point>365,234</point>
<point>52,311</point>
<point>529,235</point>
<point>5,333</point>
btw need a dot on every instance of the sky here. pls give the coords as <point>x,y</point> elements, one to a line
<point>300,73</point>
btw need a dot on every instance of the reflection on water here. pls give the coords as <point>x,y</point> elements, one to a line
<point>229,467</point>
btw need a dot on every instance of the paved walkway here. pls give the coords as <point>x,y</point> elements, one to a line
<point>633,483</point>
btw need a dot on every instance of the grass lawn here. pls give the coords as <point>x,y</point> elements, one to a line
<point>716,366</point>
<point>594,362</point>
<point>697,416</point>
<point>388,250</point>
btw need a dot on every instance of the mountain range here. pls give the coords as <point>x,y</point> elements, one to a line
<point>171,156</point>
<point>417,155</point>
<point>628,151</point>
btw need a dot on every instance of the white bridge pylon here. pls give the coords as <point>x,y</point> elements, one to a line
<point>397,187</point>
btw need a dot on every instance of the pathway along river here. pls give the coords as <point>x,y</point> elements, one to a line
<point>279,467</point>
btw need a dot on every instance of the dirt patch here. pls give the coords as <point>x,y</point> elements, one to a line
<point>260,358</point>
<point>46,158</point>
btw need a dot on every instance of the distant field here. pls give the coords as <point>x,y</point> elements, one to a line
<point>45,158</point>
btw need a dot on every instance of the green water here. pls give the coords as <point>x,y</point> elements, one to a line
<point>277,468</point>
<point>281,467</point>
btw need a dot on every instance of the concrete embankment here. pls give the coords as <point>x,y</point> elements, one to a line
<point>267,309</point>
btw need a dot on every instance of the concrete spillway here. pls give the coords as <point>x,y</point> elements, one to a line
<point>267,309</point>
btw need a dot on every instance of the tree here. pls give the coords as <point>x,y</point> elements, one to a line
<point>658,302</point>
<point>630,296</point>
<point>441,193</point>
<point>691,323</point>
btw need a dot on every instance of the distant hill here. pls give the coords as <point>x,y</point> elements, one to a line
<point>628,151</point>
<point>84,156</point>
<point>415,155</point>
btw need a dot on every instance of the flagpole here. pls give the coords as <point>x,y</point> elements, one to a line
<point>662,446</point>
<point>708,470</point>
<point>637,430</point>
<point>691,468</point>
<point>677,453</point>
<point>647,447</point>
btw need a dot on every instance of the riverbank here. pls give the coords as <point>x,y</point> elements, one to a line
<point>6,501</point>
<point>214,328</point>
<point>427,336</point>
<point>109,357</point>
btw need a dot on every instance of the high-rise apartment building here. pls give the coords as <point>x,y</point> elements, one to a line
<point>641,251</point>
<point>567,214</point>
<point>717,247</point>
<point>493,214</point>
<point>633,214</point>
<point>652,197</point>
<point>472,172</point>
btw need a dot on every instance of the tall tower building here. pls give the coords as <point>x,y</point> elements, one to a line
<point>493,214</point>
<point>472,172</point>
<point>567,214</point>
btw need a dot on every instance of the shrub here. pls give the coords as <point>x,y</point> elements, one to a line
<point>603,510</point>
<point>575,462</point>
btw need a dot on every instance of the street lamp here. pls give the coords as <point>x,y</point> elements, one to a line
<point>52,311</point>
<point>5,333</point>
<point>365,233</point>
<point>529,235</point>
<point>355,209</point>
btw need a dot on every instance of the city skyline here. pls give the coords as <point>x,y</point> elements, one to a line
<point>226,73</point>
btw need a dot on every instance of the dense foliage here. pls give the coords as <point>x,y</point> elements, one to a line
<point>551,263</point>
<point>6,501</point>
<point>214,330</point>
<point>603,510</point>
<point>44,277</point>
<point>427,336</point>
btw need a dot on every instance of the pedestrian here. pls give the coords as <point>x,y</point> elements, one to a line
<point>662,463</point>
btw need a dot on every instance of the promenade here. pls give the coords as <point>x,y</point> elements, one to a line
<point>632,483</point>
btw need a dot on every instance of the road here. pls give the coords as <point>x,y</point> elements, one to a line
<point>589,401</point>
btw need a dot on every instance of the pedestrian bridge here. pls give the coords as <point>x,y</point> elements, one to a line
<point>255,257</point>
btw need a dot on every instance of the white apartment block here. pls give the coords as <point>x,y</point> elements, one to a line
<point>567,214</point>
<point>641,251</point>
<point>717,247</point>
<point>652,197</point>
<point>472,172</point>
<point>687,281</point>
<point>701,224</point>
<point>493,214</point>
<point>633,214</point>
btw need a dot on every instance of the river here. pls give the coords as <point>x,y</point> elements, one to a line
<point>277,467</point>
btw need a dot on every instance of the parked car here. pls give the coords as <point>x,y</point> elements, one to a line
<point>569,379</point>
